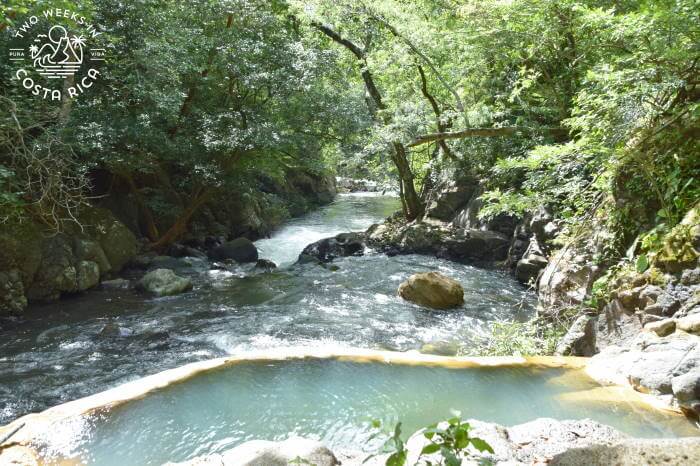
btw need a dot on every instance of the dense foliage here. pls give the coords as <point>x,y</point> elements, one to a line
<point>585,106</point>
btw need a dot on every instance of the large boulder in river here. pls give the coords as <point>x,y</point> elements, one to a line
<point>240,249</point>
<point>432,289</point>
<point>294,450</point>
<point>327,249</point>
<point>164,282</point>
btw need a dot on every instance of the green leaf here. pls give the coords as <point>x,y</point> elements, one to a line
<point>642,263</point>
<point>430,448</point>
<point>481,445</point>
<point>396,459</point>
<point>461,439</point>
<point>450,457</point>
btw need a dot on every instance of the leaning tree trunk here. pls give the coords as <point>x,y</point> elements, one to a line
<point>413,207</point>
<point>179,227</point>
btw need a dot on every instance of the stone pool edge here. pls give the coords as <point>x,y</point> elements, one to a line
<point>26,427</point>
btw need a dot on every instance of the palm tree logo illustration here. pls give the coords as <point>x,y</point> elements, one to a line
<point>61,56</point>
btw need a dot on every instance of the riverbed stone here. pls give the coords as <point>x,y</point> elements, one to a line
<point>164,282</point>
<point>327,249</point>
<point>116,284</point>
<point>240,250</point>
<point>432,289</point>
<point>294,450</point>
<point>265,264</point>
<point>661,327</point>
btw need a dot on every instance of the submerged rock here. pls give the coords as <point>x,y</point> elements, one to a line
<point>164,282</point>
<point>295,450</point>
<point>114,330</point>
<point>240,249</point>
<point>432,289</point>
<point>265,265</point>
<point>116,284</point>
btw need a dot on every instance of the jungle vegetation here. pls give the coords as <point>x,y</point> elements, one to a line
<point>581,105</point>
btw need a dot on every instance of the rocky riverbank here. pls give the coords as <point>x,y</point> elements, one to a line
<point>542,441</point>
<point>640,320</point>
<point>39,264</point>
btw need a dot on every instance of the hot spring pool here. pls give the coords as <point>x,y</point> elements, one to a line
<point>334,400</point>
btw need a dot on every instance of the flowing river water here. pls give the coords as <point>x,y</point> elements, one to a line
<point>61,352</point>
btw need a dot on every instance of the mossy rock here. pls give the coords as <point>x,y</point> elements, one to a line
<point>680,246</point>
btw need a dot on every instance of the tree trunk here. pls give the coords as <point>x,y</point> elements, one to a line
<point>186,106</point>
<point>442,128</point>
<point>180,225</point>
<point>151,228</point>
<point>413,207</point>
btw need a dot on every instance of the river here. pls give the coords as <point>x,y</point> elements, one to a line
<point>59,352</point>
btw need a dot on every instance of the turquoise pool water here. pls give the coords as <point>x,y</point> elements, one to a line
<point>334,401</point>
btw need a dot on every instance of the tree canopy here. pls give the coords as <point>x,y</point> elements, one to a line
<point>571,104</point>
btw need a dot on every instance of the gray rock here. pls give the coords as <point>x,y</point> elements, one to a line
<point>56,273</point>
<point>116,284</point>
<point>114,330</point>
<point>566,281</point>
<point>432,289</point>
<point>265,265</point>
<point>477,246</point>
<point>691,276</point>
<point>662,327</point>
<point>528,269</point>
<point>580,340</point>
<point>240,250</point>
<point>12,299</point>
<point>649,364</point>
<point>633,452</point>
<point>342,245</point>
<point>89,250</point>
<point>665,305</point>
<point>542,225</point>
<point>529,443</point>
<point>117,241</point>
<point>686,387</point>
<point>617,325</point>
<point>690,323</point>
<point>87,275</point>
<point>164,282</point>
<point>448,198</point>
<point>265,453</point>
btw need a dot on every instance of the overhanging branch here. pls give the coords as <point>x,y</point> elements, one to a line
<point>484,133</point>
